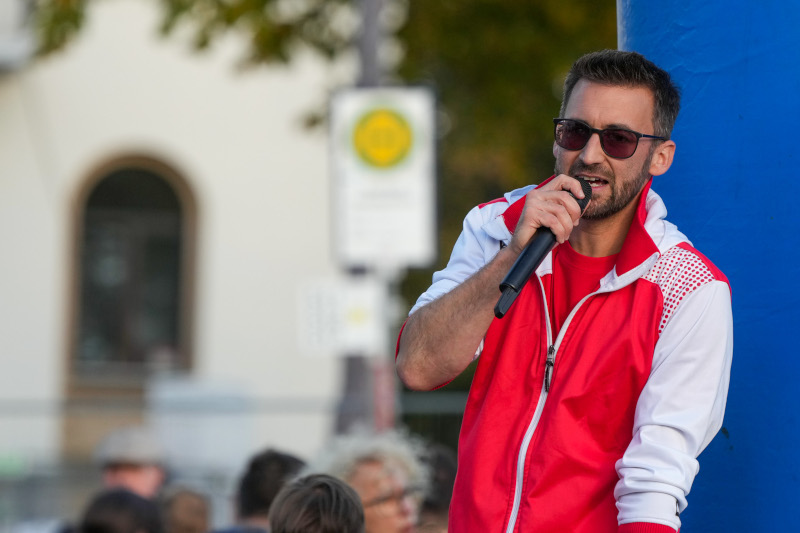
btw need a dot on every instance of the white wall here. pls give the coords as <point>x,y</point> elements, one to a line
<point>31,289</point>
<point>260,180</point>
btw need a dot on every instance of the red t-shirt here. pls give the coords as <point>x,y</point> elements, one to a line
<point>574,276</point>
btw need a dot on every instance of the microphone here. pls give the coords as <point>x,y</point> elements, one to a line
<point>530,258</point>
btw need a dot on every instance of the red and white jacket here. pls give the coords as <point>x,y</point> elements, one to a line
<point>638,379</point>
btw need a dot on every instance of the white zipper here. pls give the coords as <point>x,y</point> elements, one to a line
<point>537,414</point>
<point>552,348</point>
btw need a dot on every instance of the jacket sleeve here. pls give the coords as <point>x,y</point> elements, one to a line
<point>679,410</point>
<point>644,527</point>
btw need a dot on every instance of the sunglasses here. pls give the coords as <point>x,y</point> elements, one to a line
<point>618,143</point>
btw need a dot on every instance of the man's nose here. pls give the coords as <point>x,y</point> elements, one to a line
<point>593,151</point>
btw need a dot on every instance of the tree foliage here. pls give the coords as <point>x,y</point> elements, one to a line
<point>498,68</point>
<point>272,29</point>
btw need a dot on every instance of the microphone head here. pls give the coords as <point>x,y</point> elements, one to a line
<point>587,192</point>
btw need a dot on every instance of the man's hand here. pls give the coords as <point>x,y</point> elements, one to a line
<point>549,206</point>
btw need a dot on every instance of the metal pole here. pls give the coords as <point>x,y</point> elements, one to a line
<point>368,42</point>
<point>357,407</point>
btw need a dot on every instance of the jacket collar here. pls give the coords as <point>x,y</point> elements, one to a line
<point>638,245</point>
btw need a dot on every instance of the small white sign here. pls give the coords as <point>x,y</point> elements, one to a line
<point>338,317</point>
<point>383,165</point>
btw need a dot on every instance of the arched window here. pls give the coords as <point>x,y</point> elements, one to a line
<point>132,316</point>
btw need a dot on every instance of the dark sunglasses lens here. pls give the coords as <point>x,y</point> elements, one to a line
<point>618,143</point>
<point>572,135</point>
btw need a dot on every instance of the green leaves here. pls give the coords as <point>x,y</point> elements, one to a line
<point>498,67</point>
<point>272,29</point>
<point>57,22</point>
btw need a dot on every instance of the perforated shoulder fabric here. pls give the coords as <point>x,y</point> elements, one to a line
<point>678,272</point>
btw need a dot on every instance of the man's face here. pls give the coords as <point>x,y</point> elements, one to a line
<point>144,480</point>
<point>388,506</point>
<point>618,181</point>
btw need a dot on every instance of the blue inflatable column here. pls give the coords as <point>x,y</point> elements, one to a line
<point>733,189</point>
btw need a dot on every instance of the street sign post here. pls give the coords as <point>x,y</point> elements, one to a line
<point>341,316</point>
<point>383,166</point>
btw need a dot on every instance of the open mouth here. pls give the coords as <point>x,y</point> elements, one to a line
<point>593,181</point>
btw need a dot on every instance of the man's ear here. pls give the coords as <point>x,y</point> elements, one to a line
<point>662,158</point>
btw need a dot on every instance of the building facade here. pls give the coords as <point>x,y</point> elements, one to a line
<point>158,211</point>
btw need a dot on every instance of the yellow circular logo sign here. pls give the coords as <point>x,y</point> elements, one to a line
<point>382,138</point>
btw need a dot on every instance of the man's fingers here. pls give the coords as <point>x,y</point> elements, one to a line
<point>562,226</point>
<point>552,214</point>
<point>564,200</point>
<point>553,206</point>
<point>571,204</point>
<point>575,188</point>
<point>568,183</point>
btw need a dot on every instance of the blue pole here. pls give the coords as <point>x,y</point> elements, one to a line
<point>732,190</point>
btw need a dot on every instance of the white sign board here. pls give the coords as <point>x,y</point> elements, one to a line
<point>383,164</point>
<point>338,317</point>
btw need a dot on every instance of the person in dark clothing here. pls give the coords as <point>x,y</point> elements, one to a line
<point>120,511</point>
<point>443,464</point>
<point>267,472</point>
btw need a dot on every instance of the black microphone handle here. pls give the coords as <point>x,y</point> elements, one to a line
<point>531,257</point>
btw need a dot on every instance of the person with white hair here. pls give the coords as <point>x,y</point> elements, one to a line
<point>385,471</point>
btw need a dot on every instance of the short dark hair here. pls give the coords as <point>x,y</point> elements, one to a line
<point>443,465</point>
<point>318,503</point>
<point>629,69</point>
<point>121,511</point>
<point>266,474</point>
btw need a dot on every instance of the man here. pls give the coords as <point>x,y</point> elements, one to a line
<point>132,458</point>
<point>266,474</point>
<point>608,376</point>
<point>385,471</point>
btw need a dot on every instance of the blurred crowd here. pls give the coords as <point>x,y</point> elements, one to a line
<point>361,482</point>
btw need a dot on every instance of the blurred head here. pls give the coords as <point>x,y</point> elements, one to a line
<point>121,511</point>
<point>185,511</point>
<point>391,502</point>
<point>266,474</point>
<point>317,504</point>
<point>144,480</point>
<point>385,472</point>
<point>132,458</point>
